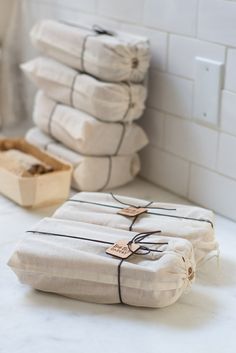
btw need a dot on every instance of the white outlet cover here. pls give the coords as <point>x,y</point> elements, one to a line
<point>207,89</point>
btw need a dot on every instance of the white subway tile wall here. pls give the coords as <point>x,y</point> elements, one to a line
<point>213,190</point>
<point>123,10</point>
<point>183,50</point>
<point>172,94</point>
<point>226,156</point>
<point>228,112</point>
<point>186,156</point>
<point>153,122</point>
<point>191,141</point>
<point>230,74</point>
<point>177,16</point>
<point>88,5</point>
<point>165,169</point>
<point>216,21</point>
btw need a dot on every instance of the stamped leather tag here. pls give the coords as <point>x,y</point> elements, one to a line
<point>121,250</point>
<point>132,211</point>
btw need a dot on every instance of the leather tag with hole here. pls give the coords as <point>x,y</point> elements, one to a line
<point>121,250</point>
<point>132,211</point>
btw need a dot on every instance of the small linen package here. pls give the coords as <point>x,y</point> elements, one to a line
<point>31,177</point>
<point>104,265</point>
<point>85,134</point>
<point>105,101</point>
<point>109,56</point>
<point>192,223</point>
<point>89,173</point>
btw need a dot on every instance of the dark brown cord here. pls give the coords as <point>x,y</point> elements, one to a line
<point>97,31</point>
<point>71,98</point>
<point>129,204</point>
<point>95,28</point>
<point>148,212</point>
<point>123,125</point>
<point>160,214</point>
<point>50,119</point>
<point>72,90</point>
<point>84,48</point>
<point>102,31</point>
<point>108,174</point>
<point>130,102</point>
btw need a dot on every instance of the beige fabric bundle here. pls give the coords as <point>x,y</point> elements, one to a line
<point>105,101</point>
<point>69,258</point>
<point>90,173</point>
<point>192,223</point>
<point>22,164</point>
<point>83,133</point>
<point>114,58</point>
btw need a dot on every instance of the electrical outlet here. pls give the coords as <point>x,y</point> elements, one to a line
<point>207,89</point>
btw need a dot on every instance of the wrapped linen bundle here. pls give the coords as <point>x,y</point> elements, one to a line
<point>108,56</point>
<point>105,101</point>
<point>73,259</point>
<point>83,133</point>
<point>192,223</point>
<point>90,173</point>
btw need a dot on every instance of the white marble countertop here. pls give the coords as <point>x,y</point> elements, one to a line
<point>203,320</point>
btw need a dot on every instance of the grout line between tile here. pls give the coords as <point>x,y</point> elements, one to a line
<point>193,163</point>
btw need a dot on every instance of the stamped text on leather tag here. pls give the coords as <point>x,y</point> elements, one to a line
<point>121,249</point>
<point>132,211</point>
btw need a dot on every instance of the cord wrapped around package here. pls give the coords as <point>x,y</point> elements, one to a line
<point>192,223</point>
<point>105,101</point>
<point>90,173</point>
<point>69,258</point>
<point>85,134</point>
<point>109,56</point>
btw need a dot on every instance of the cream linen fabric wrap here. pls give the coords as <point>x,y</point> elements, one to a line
<point>89,173</point>
<point>104,100</point>
<point>81,269</point>
<point>116,58</point>
<point>83,133</point>
<point>199,233</point>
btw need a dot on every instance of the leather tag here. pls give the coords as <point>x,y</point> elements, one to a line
<point>132,211</point>
<point>121,250</point>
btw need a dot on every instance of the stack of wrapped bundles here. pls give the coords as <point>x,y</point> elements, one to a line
<point>107,248</point>
<point>91,89</point>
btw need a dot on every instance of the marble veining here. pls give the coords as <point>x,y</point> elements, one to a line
<point>203,320</point>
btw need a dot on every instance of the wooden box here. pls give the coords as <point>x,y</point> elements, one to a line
<point>38,190</point>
